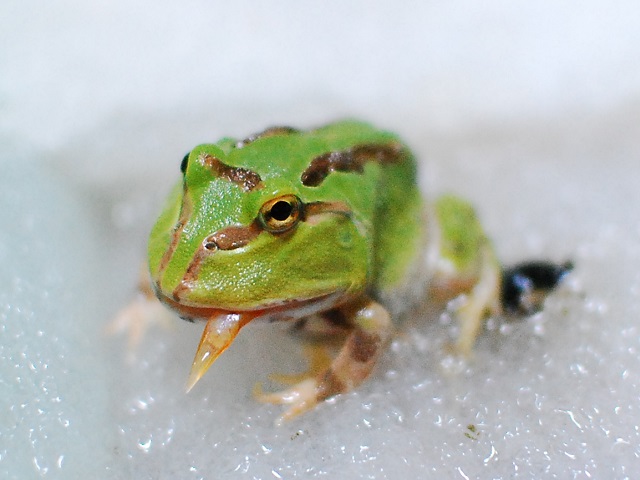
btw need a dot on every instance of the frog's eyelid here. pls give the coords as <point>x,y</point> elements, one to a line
<point>246,179</point>
<point>350,160</point>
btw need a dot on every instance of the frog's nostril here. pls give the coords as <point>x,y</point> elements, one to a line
<point>210,243</point>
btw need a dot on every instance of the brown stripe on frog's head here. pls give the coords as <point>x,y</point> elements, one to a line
<point>351,160</point>
<point>246,179</point>
<point>185,212</point>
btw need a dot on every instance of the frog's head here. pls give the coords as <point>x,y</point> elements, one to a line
<point>247,229</point>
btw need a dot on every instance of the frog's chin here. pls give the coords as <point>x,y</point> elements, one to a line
<point>292,309</point>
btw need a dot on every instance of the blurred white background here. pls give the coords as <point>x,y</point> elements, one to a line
<point>67,66</point>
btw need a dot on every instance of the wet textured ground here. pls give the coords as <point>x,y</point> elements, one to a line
<point>553,396</point>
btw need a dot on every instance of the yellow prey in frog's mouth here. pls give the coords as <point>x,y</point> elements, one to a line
<point>224,325</point>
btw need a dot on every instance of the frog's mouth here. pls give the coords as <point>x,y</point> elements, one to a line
<point>224,325</point>
<point>281,310</point>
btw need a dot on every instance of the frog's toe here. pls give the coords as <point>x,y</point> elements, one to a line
<point>293,395</point>
<point>302,397</point>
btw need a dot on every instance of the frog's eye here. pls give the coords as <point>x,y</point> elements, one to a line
<point>281,214</point>
<point>185,162</point>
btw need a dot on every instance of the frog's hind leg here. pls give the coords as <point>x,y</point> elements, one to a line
<point>370,331</point>
<point>467,269</point>
<point>320,334</point>
<point>519,290</point>
<point>468,265</point>
<point>482,300</point>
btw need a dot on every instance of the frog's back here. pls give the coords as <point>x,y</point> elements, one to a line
<point>398,230</point>
<point>396,205</point>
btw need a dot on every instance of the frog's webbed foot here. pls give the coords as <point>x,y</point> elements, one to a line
<point>370,332</point>
<point>302,397</point>
<point>467,265</point>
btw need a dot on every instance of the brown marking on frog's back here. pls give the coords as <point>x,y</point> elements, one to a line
<point>350,160</point>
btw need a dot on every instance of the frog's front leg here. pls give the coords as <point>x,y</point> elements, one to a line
<point>371,330</point>
<point>139,315</point>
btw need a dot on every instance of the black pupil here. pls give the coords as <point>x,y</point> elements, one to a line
<point>281,210</point>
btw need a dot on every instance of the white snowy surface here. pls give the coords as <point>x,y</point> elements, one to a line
<point>530,110</point>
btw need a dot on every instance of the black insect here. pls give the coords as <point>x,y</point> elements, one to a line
<point>525,285</point>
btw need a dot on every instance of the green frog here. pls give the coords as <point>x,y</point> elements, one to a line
<point>328,227</point>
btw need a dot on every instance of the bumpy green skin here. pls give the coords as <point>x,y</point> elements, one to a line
<point>366,251</point>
